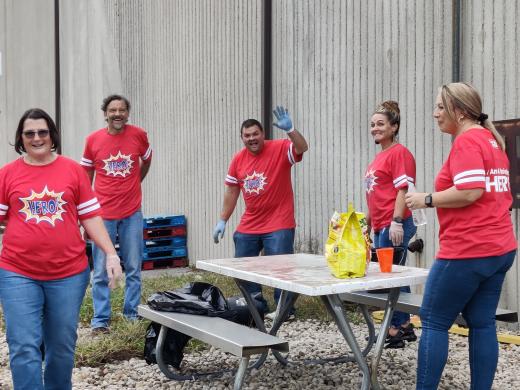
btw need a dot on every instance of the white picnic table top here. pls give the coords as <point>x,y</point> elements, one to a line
<point>309,274</point>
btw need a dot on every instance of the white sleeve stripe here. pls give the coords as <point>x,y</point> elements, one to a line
<point>89,209</point>
<point>87,203</point>
<point>400,178</point>
<point>399,183</point>
<point>86,163</point>
<point>411,179</point>
<point>231,179</point>
<point>4,207</point>
<point>84,159</point>
<point>147,153</point>
<point>469,173</point>
<point>470,180</point>
<point>290,155</point>
<point>2,212</point>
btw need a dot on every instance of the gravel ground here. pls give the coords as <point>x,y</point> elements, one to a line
<point>307,339</point>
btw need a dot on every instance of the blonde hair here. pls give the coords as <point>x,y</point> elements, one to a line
<point>390,108</point>
<point>465,97</point>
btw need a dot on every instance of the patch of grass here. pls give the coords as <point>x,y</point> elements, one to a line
<point>126,339</point>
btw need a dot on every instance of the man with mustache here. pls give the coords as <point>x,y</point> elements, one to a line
<point>262,170</point>
<point>119,157</point>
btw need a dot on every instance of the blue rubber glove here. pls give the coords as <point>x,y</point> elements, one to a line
<point>219,229</point>
<point>283,120</point>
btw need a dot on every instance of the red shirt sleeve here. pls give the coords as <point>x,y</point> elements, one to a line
<point>87,204</point>
<point>87,161</point>
<point>4,202</point>
<point>232,175</point>
<point>291,154</point>
<point>403,168</point>
<point>146,149</point>
<point>466,164</point>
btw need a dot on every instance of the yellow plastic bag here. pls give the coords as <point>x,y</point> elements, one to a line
<point>347,249</point>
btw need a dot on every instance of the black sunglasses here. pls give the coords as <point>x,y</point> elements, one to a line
<point>30,134</point>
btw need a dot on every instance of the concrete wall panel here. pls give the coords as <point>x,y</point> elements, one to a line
<point>192,70</point>
<point>27,79</point>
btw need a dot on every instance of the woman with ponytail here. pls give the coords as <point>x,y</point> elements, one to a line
<point>386,182</point>
<point>477,245</point>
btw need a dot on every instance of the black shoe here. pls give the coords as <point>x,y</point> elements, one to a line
<point>394,342</point>
<point>101,330</point>
<point>408,334</point>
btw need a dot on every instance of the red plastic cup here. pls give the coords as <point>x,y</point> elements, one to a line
<point>385,257</point>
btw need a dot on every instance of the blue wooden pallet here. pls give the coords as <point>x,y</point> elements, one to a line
<point>174,242</point>
<point>164,221</point>
<point>165,254</point>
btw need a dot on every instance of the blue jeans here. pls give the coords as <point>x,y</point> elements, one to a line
<point>279,242</point>
<point>130,233</point>
<point>471,287</point>
<point>38,311</point>
<point>382,240</point>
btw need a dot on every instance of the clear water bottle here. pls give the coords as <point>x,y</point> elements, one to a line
<point>419,215</point>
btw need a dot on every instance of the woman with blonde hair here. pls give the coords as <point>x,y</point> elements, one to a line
<point>386,182</point>
<point>477,245</point>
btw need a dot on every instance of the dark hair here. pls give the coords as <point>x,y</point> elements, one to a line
<point>36,113</point>
<point>111,98</point>
<point>250,123</point>
<point>390,109</point>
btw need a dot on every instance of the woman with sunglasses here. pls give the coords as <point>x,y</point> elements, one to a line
<point>43,267</point>
<point>477,245</point>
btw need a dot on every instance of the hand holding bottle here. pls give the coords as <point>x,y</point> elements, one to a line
<point>415,202</point>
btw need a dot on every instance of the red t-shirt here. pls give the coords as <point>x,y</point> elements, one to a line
<point>116,159</point>
<point>43,205</point>
<point>265,180</point>
<point>390,171</point>
<point>483,228</point>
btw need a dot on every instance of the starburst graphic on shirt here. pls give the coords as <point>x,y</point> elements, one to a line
<point>45,206</point>
<point>118,165</point>
<point>254,183</point>
<point>493,143</point>
<point>370,180</point>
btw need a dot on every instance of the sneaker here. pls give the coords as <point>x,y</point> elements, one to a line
<point>408,334</point>
<point>272,315</point>
<point>100,330</point>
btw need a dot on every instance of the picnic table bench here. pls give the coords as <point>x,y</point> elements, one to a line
<point>411,303</point>
<point>228,336</point>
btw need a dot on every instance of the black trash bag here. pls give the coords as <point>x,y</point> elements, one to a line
<point>173,345</point>
<point>239,311</point>
<point>194,298</point>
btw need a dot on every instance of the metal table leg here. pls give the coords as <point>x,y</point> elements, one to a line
<point>241,373</point>
<point>282,313</point>
<point>170,374</point>
<point>256,317</point>
<point>335,307</point>
<point>393,296</point>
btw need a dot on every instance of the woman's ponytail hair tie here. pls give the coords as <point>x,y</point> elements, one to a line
<point>482,118</point>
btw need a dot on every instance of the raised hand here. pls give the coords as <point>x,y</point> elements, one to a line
<point>219,230</point>
<point>283,120</point>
